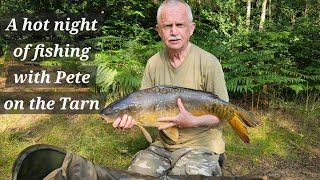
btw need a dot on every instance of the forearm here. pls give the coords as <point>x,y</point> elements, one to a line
<point>205,120</point>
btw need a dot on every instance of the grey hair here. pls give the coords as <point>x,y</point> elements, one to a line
<point>174,2</point>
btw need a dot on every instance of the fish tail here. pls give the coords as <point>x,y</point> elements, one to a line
<point>238,125</point>
<point>247,118</point>
<point>240,120</point>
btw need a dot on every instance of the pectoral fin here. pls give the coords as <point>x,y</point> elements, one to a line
<point>146,134</point>
<point>172,133</point>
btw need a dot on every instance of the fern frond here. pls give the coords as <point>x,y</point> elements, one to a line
<point>105,77</point>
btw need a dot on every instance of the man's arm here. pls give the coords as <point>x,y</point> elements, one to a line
<point>186,120</point>
<point>215,81</point>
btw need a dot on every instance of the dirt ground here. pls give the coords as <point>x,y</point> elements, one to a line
<point>307,167</point>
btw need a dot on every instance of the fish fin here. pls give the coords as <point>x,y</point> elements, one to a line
<point>146,134</point>
<point>239,126</point>
<point>172,133</point>
<point>248,118</point>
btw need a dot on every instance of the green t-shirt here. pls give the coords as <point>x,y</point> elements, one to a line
<point>200,70</point>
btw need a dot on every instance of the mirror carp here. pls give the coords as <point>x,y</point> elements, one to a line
<point>147,105</point>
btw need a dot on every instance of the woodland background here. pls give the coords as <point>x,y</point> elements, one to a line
<point>270,53</point>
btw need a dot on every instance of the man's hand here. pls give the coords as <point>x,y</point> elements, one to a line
<point>126,122</point>
<point>186,120</point>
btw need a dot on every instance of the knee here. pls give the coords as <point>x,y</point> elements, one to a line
<point>148,163</point>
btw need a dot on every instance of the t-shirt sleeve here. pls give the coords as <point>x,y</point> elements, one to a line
<point>215,80</point>
<point>146,79</point>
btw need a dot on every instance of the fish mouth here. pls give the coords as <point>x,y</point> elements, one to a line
<point>105,118</point>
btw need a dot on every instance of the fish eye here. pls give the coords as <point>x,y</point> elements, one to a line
<point>116,110</point>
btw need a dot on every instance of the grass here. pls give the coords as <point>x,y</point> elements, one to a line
<point>86,135</point>
<point>289,134</point>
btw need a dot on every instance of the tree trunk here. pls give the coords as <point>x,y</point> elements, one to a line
<point>248,14</point>
<point>270,12</point>
<point>306,9</point>
<point>263,14</point>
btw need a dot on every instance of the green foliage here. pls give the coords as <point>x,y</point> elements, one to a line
<point>306,51</point>
<point>130,20</point>
<point>285,57</point>
<point>117,74</point>
<point>278,58</point>
<point>120,71</point>
<point>108,42</point>
<point>210,40</point>
<point>223,17</point>
<point>260,58</point>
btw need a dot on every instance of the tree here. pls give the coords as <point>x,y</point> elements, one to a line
<point>270,11</point>
<point>248,14</point>
<point>263,14</point>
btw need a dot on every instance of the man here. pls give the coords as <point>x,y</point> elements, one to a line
<point>183,64</point>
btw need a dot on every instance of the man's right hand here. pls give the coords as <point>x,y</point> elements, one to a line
<point>126,122</point>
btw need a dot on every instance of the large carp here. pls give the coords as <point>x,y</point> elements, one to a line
<point>146,106</point>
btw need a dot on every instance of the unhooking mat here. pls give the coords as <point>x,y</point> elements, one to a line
<point>52,163</point>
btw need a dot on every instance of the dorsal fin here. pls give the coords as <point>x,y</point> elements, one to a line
<point>171,88</point>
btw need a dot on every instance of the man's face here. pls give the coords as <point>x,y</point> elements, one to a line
<point>174,26</point>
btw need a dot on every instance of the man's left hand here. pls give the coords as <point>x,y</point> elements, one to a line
<point>186,120</point>
<point>183,120</point>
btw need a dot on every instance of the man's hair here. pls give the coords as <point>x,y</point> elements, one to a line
<point>174,2</point>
